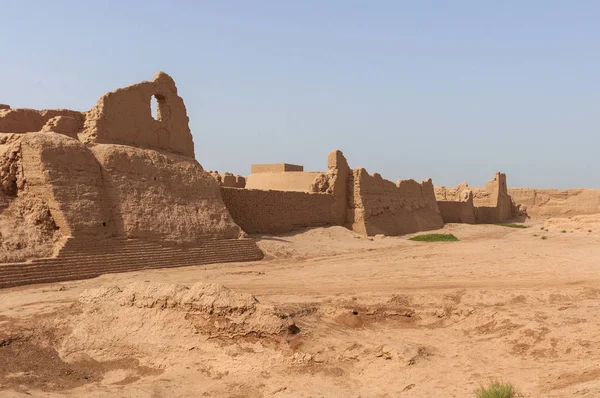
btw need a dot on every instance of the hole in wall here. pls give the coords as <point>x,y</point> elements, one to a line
<point>154,108</point>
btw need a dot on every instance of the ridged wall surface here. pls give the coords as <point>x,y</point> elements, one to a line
<point>82,259</point>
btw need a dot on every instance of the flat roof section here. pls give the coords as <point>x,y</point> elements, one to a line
<point>275,168</point>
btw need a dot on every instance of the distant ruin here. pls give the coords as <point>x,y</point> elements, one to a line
<point>489,205</point>
<point>557,202</point>
<point>280,199</point>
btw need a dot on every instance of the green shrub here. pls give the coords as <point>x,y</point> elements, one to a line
<point>563,232</point>
<point>435,238</point>
<point>544,237</point>
<point>497,389</point>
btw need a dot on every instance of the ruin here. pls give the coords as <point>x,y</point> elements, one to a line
<point>117,189</point>
<point>488,205</point>
<point>111,189</point>
<point>557,202</point>
<point>288,199</point>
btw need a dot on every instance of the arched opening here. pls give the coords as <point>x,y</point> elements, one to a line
<point>154,108</point>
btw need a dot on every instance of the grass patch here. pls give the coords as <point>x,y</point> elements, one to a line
<point>513,225</point>
<point>435,238</point>
<point>544,237</point>
<point>497,389</point>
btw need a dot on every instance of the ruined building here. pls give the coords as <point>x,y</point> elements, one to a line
<point>281,198</point>
<point>489,205</point>
<point>107,190</point>
<point>116,189</point>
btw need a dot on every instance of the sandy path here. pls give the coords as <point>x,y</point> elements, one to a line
<point>432,319</point>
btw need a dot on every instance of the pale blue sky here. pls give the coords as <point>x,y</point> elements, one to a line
<point>452,90</point>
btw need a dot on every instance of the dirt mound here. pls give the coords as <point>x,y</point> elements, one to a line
<point>158,322</point>
<point>583,223</point>
<point>28,360</point>
<point>321,242</point>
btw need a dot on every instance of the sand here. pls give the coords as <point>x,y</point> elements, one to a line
<point>328,313</point>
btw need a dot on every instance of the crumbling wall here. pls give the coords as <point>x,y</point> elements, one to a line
<point>125,117</point>
<point>278,211</point>
<point>67,175</point>
<point>336,182</point>
<point>159,196</point>
<point>366,204</point>
<point>27,227</point>
<point>379,206</point>
<point>461,210</point>
<point>83,175</point>
<point>557,203</point>
<point>282,181</point>
<point>273,212</point>
<point>228,180</point>
<point>21,121</point>
<point>493,204</point>
<point>489,205</point>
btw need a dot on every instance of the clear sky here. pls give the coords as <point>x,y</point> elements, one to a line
<point>452,90</point>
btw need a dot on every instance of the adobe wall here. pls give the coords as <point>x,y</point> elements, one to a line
<point>378,206</point>
<point>21,121</point>
<point>366,204</point>
<point>275,168</point>
<point>67,176</point>
<point>460,210</point>
<point>228,179</point>
<point>557,203</point>
<point>157,196</point>
<point>273,212</point>
<point>336,182</point>
<point>282,181</point>
<point>125,117</point>
<point>488,205</point>
<point>95,175</point>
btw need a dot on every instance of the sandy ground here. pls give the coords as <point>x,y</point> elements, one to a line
<point>377,317</point>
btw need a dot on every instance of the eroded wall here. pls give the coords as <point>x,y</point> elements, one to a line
<point>112,171</point>
<point>19,121</point>
<point>557,203</point>
<point>63,172</point>
<point>488,205</point>
<point>124,116</point>
<point>379,206</point>
<point>461,210</point>
<point>273,212</point>
<point>156,196</point>
<point>282,181</point>
<point>366,204</point>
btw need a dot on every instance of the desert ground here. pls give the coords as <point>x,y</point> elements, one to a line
<point>368,317</point>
